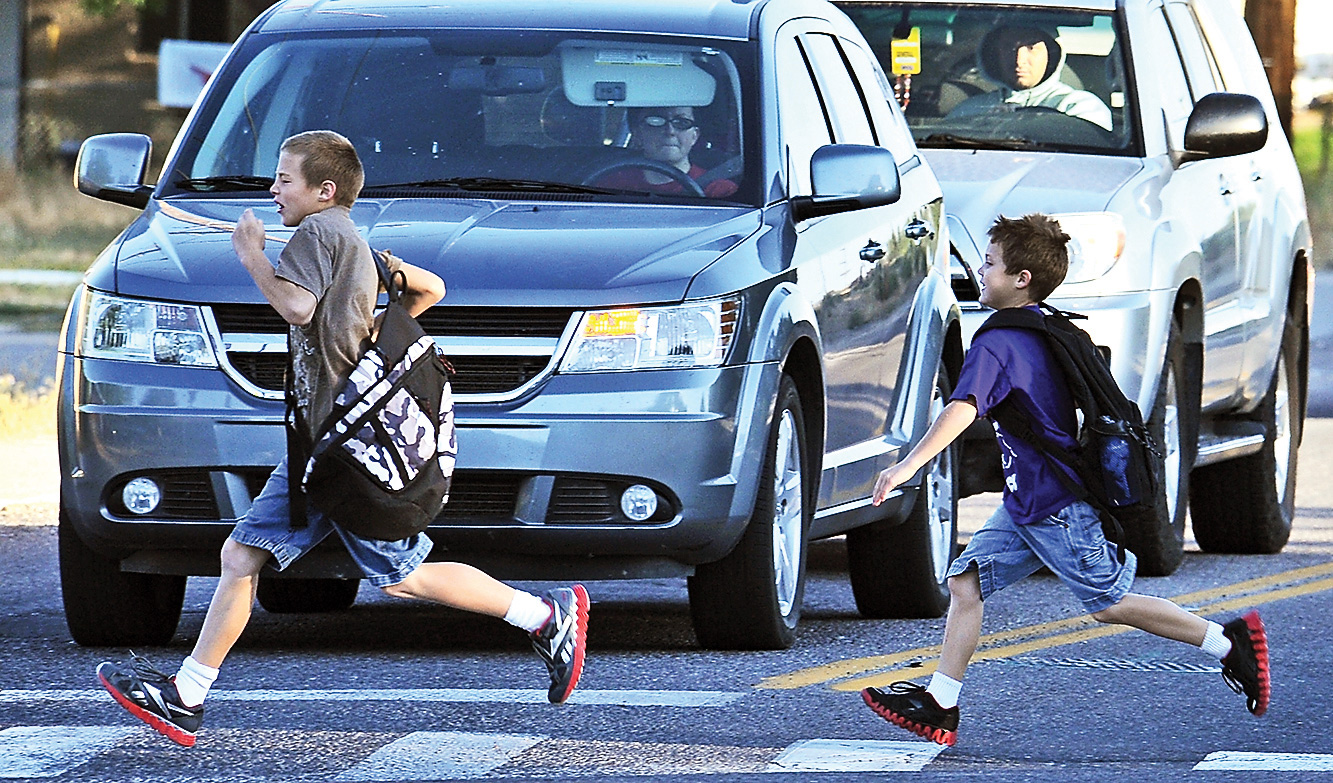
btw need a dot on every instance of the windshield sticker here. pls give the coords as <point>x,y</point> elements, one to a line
<point>630,57</point>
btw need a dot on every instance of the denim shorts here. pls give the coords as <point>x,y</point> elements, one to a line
<point>1069,542</point>
<point>268,526</point>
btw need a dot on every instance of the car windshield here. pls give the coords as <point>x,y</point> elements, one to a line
<point>446,113</point>
<point>990,77</point>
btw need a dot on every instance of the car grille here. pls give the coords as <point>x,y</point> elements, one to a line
<point>475,373</point>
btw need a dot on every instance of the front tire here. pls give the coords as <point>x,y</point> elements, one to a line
<point>107,607</point>
<point>1159,544</point>
<point>1246,505</point>
<point>751,599</point>
<point>897,570</point>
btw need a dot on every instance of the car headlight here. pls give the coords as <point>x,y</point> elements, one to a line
<point>697,334</point>
<point>1096,241</point>
<point>139,331</point>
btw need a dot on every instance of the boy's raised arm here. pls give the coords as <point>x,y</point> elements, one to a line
<point>295,304</point>
<point>424,289</point>
<point>956,417</point>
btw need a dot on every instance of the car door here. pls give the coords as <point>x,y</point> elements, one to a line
<point>1213,195</point>
<point>855,268</point>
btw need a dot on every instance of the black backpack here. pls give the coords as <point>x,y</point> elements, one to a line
<point>1117,458</point>
<point>381,464</point>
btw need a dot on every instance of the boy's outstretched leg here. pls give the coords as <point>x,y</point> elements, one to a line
<point>932,711</point>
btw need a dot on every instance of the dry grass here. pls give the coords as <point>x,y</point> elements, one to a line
<point>46,224</point>
<point>25,413</point>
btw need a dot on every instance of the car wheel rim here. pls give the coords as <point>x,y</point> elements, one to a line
<point>788,513</point>
<point>1281,431</point>
<point>939,495</point>
<point>939,502</point>
<point>1171,441</point>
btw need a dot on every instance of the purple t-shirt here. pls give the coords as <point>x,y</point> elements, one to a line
<point>1015,364</point>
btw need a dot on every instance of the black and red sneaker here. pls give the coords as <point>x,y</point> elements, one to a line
<point>150,696</point>
<point>561,642</point>
<point>1246,667</point>
<point>910,706</point>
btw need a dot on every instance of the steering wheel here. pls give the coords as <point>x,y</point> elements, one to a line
<point>645,164</point>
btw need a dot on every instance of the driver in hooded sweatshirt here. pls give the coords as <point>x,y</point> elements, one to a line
<point>1027,62</point>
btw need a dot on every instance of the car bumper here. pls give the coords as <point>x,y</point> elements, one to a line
<point>536,491</point>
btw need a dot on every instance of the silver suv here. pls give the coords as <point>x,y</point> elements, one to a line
<point>1148,128</point>
<point>660,372</point>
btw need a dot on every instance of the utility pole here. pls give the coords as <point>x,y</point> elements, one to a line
<point>12,19</point>
<point>1273,25</point>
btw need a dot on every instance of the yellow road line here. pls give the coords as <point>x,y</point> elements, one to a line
<point>921,661</point>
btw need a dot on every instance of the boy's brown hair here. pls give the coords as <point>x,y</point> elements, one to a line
<point>326,155</point>
<point>1036,243</point>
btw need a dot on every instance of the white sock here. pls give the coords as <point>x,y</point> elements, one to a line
<point>945,689</point>
<point>527,612</point>
<point>1215,643</point>
<point>193,681</point>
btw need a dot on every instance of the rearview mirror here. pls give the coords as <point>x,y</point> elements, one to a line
<point>1225,124</point>
<point>848,177</point>
<point>111,166</point>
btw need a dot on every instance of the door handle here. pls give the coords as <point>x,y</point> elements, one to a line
<point>918,230</point>
<point>873,251</point>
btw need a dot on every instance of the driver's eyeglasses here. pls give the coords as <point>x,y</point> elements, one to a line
<point>678,123</point>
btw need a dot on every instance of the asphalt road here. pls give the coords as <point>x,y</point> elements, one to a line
<point>389,690</point>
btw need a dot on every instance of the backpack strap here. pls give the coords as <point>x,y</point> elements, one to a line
<point>298,446</point>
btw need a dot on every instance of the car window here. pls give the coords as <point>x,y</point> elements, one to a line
<point>804,127</point>
<point>850,123</point>
<point>1170,81</point>
<point>957,79</point>
<point>561,112</point>
<point>890,127</point>
<point>1200,67</point>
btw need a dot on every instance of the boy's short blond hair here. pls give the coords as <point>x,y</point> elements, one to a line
<point>1036,243</point>
<point>326,155</point>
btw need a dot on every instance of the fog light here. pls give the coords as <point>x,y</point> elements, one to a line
<point>141,495</point>
<point>639,502</point>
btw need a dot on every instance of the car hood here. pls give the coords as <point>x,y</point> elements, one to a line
<point>488,252</point>
<point>980,184</point>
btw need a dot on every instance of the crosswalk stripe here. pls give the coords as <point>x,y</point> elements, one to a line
<point>1267,762</point>
<point>618,698</point>
<point>440,755</point>
<point>824,755</point>
<point>48,751</point>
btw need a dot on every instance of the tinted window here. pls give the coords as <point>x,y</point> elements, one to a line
<point>841,95</point>
<point>804,128</point>
<point>534,107</point>
<point>964,87</point>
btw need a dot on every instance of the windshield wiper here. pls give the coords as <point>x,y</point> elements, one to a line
<point>979,142</point>
<point>224,183</point>
<point>492,184</point>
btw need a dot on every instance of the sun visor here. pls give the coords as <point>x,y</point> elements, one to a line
<point>598,74</point>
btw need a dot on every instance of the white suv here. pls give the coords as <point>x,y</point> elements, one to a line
<point>1148,128</point>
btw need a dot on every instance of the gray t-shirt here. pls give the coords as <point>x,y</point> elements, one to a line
<point>327,257</point>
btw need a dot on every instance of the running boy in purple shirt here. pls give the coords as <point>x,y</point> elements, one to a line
<point>1040,522</point>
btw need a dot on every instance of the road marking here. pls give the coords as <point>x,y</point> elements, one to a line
<point>50,751</point>
<point>440,755</point>
<point>922,661</point>
<point>1267,762</point>
<point>824,755</point>
<point>618,698</point>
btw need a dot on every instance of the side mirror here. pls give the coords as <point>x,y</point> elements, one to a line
<point>1224,124</point>
<point>112,166</point>
<point>848,177</point>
